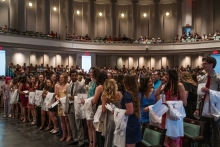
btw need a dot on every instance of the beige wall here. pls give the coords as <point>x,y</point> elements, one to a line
<point>202,15</point>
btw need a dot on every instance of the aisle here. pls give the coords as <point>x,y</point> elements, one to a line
<point>14,133</point>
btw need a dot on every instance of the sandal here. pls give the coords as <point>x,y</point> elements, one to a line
<point>63,138</point>
<point>68,138</point>
<point>47,129</point>
<point>33,123</point>
<point>41,128</point>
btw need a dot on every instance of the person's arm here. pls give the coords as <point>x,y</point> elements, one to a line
<point>57,92</point>
<point>129,108</point>
<point>182,94</point>
<point>159,90</point>
<point>19,89</point>
<point>103,98</point>
<point>98,92</point>
<point>3,91</point>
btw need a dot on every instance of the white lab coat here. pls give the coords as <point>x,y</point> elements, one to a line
<point>120,120</point>
<point>215,104</point>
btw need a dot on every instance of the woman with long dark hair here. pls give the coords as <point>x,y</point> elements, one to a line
<point>131,102</point>
<point>174,91</point>
<point>24,86</point>
<point>146,93</point>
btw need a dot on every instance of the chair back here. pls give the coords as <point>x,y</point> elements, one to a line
<point>193,128</point>
<point>152,135</point>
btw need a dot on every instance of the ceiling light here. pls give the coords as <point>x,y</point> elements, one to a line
<point>54,8</point>
<point>122,15</point>
<point>78,12</point>
<point>30,4</point>
<point>145,15</point>
<point>100,14</point>
<point>167,14</point>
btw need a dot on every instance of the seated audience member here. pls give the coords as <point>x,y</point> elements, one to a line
<point>216,33</point>
<point>197,36</point>
<point>87,37</point>
<point>109,38</point>
<point>204,37</point>
<point>177,39</point>
<point>5,28</point>
<point>159,40</point>
<point>124,38</point>
<point>74,36</point>
<point>153,40</point>
<point>140,39</point>
<point>119,38</point>
<point>184,36</point>
<point>115,38</point>
<point>146,94</point>
<point>52,35</point>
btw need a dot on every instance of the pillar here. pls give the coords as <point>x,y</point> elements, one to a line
<point>21,16</point>
<point>204,17</point>
<point>47,16</point>
<point>70,17</point>
<point>135,16</point>
<point>156,18</point>
<point>113,18</point>
<point>179,17</point>
<point>92,19</point>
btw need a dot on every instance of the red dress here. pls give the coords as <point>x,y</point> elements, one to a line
<point>23,98</point>
<point>169,142</point>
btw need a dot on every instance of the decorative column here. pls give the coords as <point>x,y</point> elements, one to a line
<point>179,17</point>
<point>47,16</point>
<point>156,18</point>
<point>70,16</point>
<point>92,19</point>
<point>113,17</point>
<point>135,16</point>
<point>204,17</point>
<point>22,16</point>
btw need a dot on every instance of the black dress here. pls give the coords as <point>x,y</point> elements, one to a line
<point>191,100</point>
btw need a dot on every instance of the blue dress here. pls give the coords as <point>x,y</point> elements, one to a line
<point>133,131</point>
<point>145,102</point>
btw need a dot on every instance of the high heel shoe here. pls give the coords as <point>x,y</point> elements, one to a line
<point>24,121</point>
<point>63,138</point>
<point>41,128</point>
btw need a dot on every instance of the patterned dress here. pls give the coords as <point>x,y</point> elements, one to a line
<point>62,94</point>
<point>169,142</point>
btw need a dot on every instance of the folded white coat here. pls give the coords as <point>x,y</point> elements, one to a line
<point>88,109</point>
<point>49,99</point>
<point>120,120</point>
<point>14,95</point>
<point>38,97</point>
<point>174,119</point>
<point>31,97</point>
<point>215,104</point>
<point>154,119</point>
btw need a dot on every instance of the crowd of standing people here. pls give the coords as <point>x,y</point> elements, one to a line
<point>130,91</point>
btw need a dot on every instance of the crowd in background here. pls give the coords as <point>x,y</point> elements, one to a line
<point>130,90</point>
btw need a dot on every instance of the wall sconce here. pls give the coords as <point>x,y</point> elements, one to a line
<point>78,12</point>
<point>30,4</point>
<point>167,14</point>
<point>54,8</point>
<point>145,15</point>
<point>100,13</point>
<point>122,15</point>
<point>3,0</point>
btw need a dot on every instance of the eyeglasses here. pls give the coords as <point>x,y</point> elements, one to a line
<point>204,64</point>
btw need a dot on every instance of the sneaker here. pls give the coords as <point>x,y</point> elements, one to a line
<point>9,115</point>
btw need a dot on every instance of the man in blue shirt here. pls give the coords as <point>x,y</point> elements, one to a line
<point>156,79</point>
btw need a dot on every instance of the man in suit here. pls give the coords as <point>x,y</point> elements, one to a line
<point>76,125</point>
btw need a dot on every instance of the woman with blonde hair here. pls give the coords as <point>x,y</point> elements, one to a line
<point>191,93</point>
<point>61,92</point>
<point>110,95</point>
<point>131,102</point>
